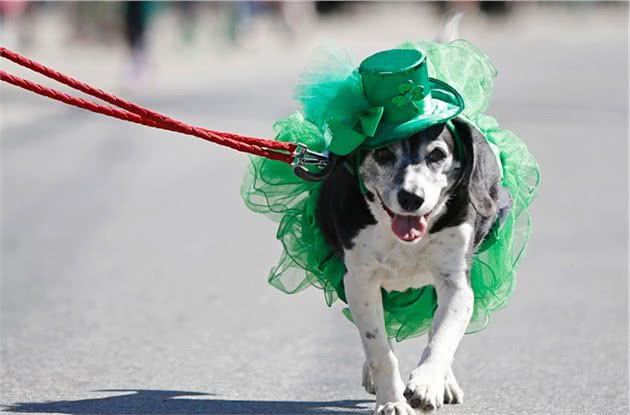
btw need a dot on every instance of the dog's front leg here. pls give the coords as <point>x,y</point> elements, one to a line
<point>363,293</point>
<point>425,389</point>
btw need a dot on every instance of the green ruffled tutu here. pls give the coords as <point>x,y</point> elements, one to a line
<point>271,188</point>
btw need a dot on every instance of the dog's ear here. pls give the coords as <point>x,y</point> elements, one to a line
<point>478,171</point>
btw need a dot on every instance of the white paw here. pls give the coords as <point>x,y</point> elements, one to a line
<point>366,379</point>
<point>395,408</point>
<point>452,392</point>
<point>425,389</point>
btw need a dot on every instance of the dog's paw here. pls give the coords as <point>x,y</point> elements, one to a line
<point>367,380</point>
<point>453,394</point>
<point>395,408</point>
<point>425,390</point>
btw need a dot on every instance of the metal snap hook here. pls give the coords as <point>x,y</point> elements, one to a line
<point>303,157</point>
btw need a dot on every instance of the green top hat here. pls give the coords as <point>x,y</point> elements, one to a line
<point>403,99</point>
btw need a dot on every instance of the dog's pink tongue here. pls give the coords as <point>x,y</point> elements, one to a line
<point>409,228</point>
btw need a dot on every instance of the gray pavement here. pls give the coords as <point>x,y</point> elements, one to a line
<point>134,279</point>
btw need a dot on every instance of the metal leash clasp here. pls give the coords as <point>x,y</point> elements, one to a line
<point>303,157</point>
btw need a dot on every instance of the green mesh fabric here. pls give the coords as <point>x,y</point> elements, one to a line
<point>333,87</point>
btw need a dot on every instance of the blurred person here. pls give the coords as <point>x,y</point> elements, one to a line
<point>490,8</point>
<point>12,14</point>
<point>286,17</point>
<point>296,16</point>
<point>136,15</point>
<point>495,8</point>
<point>239,17</point>
<point>277,9</point>
<point>96,21</point>
<point>187,12</point>
<point>324,8</point>
<point>12,8</point>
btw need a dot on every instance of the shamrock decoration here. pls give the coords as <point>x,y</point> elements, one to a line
<point>409,92</point>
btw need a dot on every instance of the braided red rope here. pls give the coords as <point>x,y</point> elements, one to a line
<point>131,112</point>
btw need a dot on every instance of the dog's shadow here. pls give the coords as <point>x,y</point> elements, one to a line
<point>164,402</point>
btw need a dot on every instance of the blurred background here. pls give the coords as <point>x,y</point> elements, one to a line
<point>134,279</point>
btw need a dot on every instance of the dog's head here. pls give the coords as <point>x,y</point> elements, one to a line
<point>414,178</point>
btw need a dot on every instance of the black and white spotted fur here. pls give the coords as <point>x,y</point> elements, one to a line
<point>461,200</point>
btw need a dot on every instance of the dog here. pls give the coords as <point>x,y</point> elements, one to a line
<point>427,205</point>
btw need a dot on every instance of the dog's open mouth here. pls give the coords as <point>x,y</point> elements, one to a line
<point>407,228</point>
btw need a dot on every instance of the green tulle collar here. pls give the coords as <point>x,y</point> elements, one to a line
<point>333,86</point>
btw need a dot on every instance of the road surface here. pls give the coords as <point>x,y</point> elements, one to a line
<point>134,279</point>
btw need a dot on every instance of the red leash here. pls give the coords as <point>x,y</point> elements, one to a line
<point>128,111</point>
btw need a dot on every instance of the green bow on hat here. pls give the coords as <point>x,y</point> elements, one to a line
<point>403,101</point>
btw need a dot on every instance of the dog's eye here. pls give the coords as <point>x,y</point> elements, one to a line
<point>436,155</point>
<point>383,155</point>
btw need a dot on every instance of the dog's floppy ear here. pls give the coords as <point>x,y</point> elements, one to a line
<point>479,172</point>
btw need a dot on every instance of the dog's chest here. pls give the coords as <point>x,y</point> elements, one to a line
<point>376,253</point>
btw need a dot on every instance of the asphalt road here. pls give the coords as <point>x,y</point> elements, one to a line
<point>134,279</point>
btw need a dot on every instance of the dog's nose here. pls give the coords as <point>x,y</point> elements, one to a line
<point>409,201</point>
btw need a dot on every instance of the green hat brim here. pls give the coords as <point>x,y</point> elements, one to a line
<point>446,104</point>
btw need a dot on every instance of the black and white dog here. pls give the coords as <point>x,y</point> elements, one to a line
<point>423,214</point>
